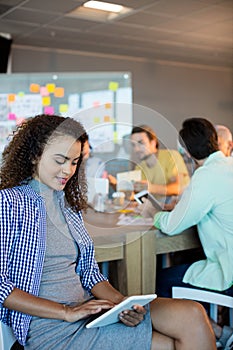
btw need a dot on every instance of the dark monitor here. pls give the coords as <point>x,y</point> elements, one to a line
<point>5,47</point>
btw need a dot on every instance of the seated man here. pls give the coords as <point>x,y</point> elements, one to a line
<point>208,203</point>
<point>164,172</point>
<point>225,142</point>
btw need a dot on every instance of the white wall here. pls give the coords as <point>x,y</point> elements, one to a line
<point>174,90</point>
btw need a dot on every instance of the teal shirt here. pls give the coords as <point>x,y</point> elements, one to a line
<point>208,203</point>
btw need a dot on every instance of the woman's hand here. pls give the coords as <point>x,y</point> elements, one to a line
<point>133,317</point>
<point>81,311</point>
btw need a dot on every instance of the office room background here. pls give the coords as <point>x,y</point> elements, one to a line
<point>179,52</point>
<point>175,90</point>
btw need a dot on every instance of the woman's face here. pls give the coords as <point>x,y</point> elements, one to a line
<point>58,162</point>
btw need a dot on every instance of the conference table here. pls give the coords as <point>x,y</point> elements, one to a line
<point>134,249</point>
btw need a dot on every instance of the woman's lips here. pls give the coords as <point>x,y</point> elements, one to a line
<point>62,180</point>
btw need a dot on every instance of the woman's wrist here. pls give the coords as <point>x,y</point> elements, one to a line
<point>64,312</point>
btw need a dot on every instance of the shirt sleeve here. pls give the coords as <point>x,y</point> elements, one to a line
<point>88,269</point>
<point>6,241</point>
<point>195,203</point>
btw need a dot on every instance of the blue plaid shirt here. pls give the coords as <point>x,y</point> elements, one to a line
<point>22,250</point>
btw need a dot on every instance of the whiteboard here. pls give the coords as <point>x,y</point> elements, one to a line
<point>101,101</point>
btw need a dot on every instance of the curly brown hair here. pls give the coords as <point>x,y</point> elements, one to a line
<point>20,157</point>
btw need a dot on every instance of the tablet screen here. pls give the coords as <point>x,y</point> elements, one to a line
<point>112,315</point>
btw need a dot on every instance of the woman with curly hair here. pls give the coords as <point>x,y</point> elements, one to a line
<point>50,283</point>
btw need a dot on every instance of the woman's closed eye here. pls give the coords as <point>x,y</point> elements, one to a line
<point>63,161</point>
<point>60,162</point>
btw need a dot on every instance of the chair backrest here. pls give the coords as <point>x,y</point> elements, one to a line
<point>214,299</point>
<point>7,338</point>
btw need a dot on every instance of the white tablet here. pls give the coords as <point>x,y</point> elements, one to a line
<point>112,315</point>
<point>145,194</point>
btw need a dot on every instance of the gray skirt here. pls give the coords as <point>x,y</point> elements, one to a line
<point>50,334</point>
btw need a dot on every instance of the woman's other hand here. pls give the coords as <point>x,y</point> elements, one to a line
<point>133,317</point>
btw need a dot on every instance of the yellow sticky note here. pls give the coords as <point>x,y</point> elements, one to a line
<point>96,120</point>
<point>113,86</point>
<point>59,92</point>
<point>46,100</point>
<point>51,87</point>
<point>21,93</point>
<point>115,136</point>
<point>11,98</point>
<point>63,108</point>
<point>35,88</point>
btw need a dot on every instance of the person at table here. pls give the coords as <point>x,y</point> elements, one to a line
<point>95,167</point>
<point>50,283</point>
<point>208,203</point>
<point>225,142</point>
<point>164,172</point>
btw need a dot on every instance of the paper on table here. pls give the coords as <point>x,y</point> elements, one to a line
<point>134,220</point>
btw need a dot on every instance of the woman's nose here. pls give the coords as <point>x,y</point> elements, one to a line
<point>67,168</point>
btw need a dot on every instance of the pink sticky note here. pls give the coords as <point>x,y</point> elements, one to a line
<point>49,110</point>
<point>44,91</point>
<point>96,103</point>
<point>19,121</point>
<point>11,116</point>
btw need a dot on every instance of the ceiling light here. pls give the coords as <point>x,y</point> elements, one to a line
<point>106,13</point>
<point>104,6</point>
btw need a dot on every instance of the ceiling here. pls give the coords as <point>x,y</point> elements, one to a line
<point>193,31</point>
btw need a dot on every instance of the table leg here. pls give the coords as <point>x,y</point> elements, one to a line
<point>129,269</point>
<point>148,262</point>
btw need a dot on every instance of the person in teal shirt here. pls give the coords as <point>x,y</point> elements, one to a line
<point>207,203</point>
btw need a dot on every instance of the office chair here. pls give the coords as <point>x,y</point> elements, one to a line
<point>213,298</point>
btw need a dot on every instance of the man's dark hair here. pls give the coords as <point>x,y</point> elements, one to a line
<point>199,137</point>
<point>149,132</point>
